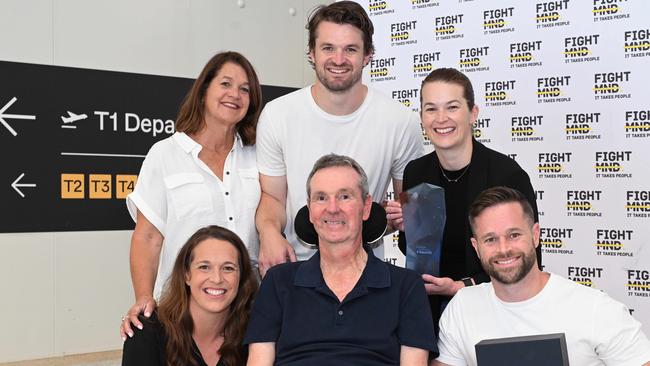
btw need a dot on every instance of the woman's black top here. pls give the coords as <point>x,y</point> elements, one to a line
<point>147,346</point>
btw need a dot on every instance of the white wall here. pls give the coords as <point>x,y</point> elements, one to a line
<point>64,293</point>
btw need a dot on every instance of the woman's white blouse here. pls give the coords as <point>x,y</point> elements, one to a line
<point>179,194</point>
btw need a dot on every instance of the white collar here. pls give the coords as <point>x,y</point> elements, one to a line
<point>188,145</point>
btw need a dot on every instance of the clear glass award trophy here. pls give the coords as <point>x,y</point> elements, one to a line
<point>423,209</point>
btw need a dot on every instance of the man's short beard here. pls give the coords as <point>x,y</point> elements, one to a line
<point>338,87</point>
<point>507,278</point>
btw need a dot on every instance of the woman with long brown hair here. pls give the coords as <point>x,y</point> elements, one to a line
<point>203,310</point>
<point>204,174</point>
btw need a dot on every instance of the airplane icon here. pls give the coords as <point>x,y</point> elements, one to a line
<point>72,117</point>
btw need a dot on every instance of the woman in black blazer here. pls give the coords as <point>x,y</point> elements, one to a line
<point>463,167</point>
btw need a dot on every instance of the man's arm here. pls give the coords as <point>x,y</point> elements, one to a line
<point>618,337</point>
<point>261,354</point>
<point>413,356</point>
<point>270,221</point>
<point>146,243</point>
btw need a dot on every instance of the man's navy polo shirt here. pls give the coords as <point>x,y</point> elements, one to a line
<point>295,309</point>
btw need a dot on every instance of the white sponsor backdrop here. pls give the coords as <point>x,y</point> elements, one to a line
<point>562,89</point>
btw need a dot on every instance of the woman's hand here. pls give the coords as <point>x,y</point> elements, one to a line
<point>394,215</point>
<point>144,305</point>
<point>146,244</point>
<point>441,285</point>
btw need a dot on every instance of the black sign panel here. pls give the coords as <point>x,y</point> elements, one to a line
<point>73,140</point>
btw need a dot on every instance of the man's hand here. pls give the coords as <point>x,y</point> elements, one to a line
<point>394,215</point>
<point>144,305</point>
<point>274,249</point>
<point>441,285</point>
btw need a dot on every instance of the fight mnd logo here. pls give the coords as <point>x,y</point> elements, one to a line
<point>611,164</point>
<point>479,129</point>
<point>551,14</point>
<point>379,7</point>
<point>581,48</point>
<point>581,203</point>
<point>611,85</point>
<point>637,123</point>
<point>523,54</point>
<point>613,242</point>
<point>498,20</point>
<point>408,97</point>
<point>606,10</point>
<point>524,128</point>
<point>472,59</point>
<point>638,282</point>
<point>584,275</point>
<point>423,63</point>
<point>423,4</point>
<point>381,69</point>
<point>554,165</point>
<point>582,126</point>
<point>402,33</point>
<point>555,240</point>
<point>637,204</point>
<point>448,27</point>
<point>497,93</point>
<point>553,89</point>
<point>637,43</point>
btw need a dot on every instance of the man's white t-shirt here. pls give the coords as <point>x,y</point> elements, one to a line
<point>382,135</point>
<point>598,329</point>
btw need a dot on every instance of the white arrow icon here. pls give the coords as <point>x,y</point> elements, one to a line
<point>15,185</point>
<point>14,116</point>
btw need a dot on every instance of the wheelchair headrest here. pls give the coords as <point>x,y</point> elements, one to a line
<point>372,231</point>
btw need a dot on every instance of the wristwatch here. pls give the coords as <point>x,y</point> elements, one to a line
<point>468,281</point>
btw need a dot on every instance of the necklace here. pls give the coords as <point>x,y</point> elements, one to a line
<point>455,180</point>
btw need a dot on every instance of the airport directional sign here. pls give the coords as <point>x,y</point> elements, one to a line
<point>73,141</point>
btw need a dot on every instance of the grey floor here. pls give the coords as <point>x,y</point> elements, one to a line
<point>111,358</point>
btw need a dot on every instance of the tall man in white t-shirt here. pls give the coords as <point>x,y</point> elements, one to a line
<point>522,300</point>
<point>337,114</point>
